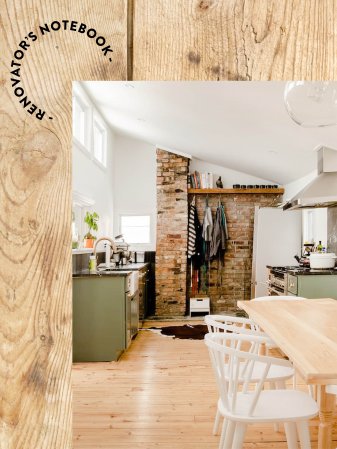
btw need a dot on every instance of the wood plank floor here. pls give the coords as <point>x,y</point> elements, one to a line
<point>160,395</point>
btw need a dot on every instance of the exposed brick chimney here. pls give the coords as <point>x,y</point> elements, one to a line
<point>172,222</point>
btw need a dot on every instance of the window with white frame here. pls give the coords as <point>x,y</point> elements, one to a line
<point>80,120</point>
<point>136,229</point>
<point>99,140</point>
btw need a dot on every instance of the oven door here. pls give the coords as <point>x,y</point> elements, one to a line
<point>274,291</point>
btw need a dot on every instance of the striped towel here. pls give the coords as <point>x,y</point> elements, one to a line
<point>191,232</point>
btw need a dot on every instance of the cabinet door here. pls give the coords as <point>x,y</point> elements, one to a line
<point>98,319</point>
<point>142,293</point>
<point>292,284</point>
<point>317,286</point>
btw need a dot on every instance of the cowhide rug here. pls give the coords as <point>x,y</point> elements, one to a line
<point>186,331</point>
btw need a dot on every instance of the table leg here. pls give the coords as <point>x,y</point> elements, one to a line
<point>326,408</point>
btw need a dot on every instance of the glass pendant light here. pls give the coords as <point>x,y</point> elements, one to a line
<point>312,103</point>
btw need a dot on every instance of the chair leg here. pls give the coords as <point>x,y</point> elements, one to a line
<point>304,434</point>
<point>223,433</point>
<point>216,422</point>
<point>228,443</point>
<point>239,435</point>
<point>291,434</point>
<point>280,385</point>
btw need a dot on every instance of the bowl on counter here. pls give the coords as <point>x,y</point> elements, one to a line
<point>322,260</point>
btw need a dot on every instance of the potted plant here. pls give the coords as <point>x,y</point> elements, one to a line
<point>91,221</point>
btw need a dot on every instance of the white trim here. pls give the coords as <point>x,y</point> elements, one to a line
<point>81,200</point>
<point>82,147</point>
<point>99,164</point>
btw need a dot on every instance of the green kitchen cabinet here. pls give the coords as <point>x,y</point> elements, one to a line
<point>99,318</point>
<point>313,286</point>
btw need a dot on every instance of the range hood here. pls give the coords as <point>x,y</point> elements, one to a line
<point>322,191</point>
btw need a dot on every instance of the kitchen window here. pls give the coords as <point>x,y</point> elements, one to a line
<point>99,141</point>
<point>136,228</point>
<point>80,121</point>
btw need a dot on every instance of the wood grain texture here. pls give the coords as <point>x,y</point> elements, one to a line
<point>35,212</point>
<point>235,39</point>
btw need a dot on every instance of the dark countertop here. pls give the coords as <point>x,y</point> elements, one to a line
<point>300,271</point>
<point>122,270</point>
<point>131,266</point>
<point>86,273</point>
<point>310,272</point>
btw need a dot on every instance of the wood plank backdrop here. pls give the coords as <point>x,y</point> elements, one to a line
<point>35,212</point>
<point>235,39</point>
<point>204,39</point>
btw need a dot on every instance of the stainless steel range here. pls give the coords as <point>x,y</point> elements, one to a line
<point>277,281</point>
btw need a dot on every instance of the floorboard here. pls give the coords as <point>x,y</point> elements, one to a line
<point>160,395</point>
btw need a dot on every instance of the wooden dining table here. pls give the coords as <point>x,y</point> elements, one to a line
<point>306,331</point>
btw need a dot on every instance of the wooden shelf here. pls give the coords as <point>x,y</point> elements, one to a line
<point>231,191</point>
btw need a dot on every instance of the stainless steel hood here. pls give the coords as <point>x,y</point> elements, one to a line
<point>322,191</point>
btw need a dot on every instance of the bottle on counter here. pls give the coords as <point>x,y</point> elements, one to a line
<point>92,264</point>
<point>319,247</point>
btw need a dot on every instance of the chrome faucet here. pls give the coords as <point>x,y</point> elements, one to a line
<point>111,243</point>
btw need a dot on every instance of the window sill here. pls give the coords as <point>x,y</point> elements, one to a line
<point>99,164</point>
<point>82,147</point>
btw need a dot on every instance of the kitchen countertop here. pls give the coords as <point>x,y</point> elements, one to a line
<point>132,266</point>
<point>123,270</point>
<point>311,272</point>
<point>98,274</point>
<point>299,271</point>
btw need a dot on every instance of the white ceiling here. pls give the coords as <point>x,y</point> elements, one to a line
<point>240,125</point>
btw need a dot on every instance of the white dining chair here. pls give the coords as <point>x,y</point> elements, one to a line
<point>277,375</point>
<point>243,401</point>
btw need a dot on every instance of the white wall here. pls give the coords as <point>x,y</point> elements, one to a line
<point>135,181</point>
<point>93,182</point>
<point>135,190</point>
<point>229,177</point>
<point>96,184</point>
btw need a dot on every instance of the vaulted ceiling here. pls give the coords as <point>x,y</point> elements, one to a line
<point>240,125</point>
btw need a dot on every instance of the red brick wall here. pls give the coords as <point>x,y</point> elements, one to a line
<point>172,272</point>
<point>172,221</point>
<point>235,274</point>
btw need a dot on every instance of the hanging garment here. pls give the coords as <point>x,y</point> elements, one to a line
<point>194,248</point>
<point>191,230</point>
<point>207,227</point>
<point>207,231</point>
<point>220,233</point>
